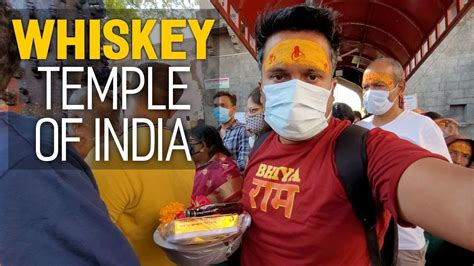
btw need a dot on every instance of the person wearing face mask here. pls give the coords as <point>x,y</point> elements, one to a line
<point>232,132</point>
<point>255,122</point>
<point>384,86</point>
<point>217,175</point>
<point>300,212</point>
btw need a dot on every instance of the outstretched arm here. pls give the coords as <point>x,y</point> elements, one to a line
<point>439,197</point>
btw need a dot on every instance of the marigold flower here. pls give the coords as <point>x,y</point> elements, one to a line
<point>169,212</point>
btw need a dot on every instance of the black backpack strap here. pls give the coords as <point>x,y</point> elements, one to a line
<point>259,141</point>
<point>351,163</point>
<point>390,245</point>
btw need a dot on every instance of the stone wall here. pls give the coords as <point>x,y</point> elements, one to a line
<point>231,60</point>
<point>444,83</point>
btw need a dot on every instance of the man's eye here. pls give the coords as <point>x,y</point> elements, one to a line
<point>277,77</point>
<point>313,77</point>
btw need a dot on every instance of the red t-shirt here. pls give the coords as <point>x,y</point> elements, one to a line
<point>300,212</point>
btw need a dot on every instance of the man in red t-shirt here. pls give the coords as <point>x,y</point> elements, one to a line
<point>300,212</point>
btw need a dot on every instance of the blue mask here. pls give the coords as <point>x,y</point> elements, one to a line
<point>221,115</point>
<point>295,109</point>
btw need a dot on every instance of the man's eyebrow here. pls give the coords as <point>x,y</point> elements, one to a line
<point>277,69</point>
<point>313,70</point>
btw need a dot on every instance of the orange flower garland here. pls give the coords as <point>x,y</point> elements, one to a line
<point>169,212</point>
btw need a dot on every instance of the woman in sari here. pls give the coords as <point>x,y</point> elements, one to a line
<point>217,175</point>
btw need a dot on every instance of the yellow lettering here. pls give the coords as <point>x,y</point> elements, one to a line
<point>32,35</point>
<point>141,39</point>
<point>261,170</point>
<point>77,40</point>
<point>168,38</point>
<point>296,176</point>
<point>270,171</point>
<point>276,175</point>
<point>287,174</point>
<point>94,39</point>
<point>64,40</point>
<point>201,35</point>
<point>116,39</point>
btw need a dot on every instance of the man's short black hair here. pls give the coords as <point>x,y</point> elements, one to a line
<point>433,115</point>
<point>357,115</point>
<point>9,55</point>
<point>343,112</point>
<point>232,97</point>
<point>299,18</point>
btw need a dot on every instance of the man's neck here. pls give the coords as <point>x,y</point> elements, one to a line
<point>286,141</point>
<point>225,126</point>
<point>380,120</point>
<point>228,123</point>
<point>153,116</point>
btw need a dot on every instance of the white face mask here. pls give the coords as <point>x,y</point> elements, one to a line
<point>295,109</point>
<point>376,101</point>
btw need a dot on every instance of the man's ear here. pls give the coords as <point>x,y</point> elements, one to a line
<point>401,92</point>
<point>72,129</point>
<point>262,96</point>
<point>233,111</point>
<point>333,86</point>
<point>331,97</point>
<point>402,86</point>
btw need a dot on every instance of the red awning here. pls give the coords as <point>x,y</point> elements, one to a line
<point>407,30</point>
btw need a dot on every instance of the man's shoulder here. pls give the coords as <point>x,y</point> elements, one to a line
<point>18,135</point>
<point>238,125</point>
<point>18,126</point>
<point>365,124</point>
<point>416,119</point>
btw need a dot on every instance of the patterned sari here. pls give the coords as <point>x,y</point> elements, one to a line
<point>219,179</point>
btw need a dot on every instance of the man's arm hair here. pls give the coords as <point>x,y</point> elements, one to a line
<point>439,197</point>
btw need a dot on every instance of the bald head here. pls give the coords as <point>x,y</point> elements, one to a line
<point>160,84</point>
<point>99,109</point>
<point>138,106</point>
<point>86,130</point>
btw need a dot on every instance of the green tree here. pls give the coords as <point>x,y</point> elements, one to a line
<point>128,9</point>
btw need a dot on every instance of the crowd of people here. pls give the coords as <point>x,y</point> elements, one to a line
<point>280,164</point>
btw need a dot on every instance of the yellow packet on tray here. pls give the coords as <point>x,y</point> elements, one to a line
<point>197,230</point>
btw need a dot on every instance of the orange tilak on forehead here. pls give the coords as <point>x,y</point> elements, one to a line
<point>297,51</point>
<point>374,77</point>
<point>461,146</point>
<point>441,123</point>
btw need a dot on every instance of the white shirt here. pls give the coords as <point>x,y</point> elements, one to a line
<point>422,131</point>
